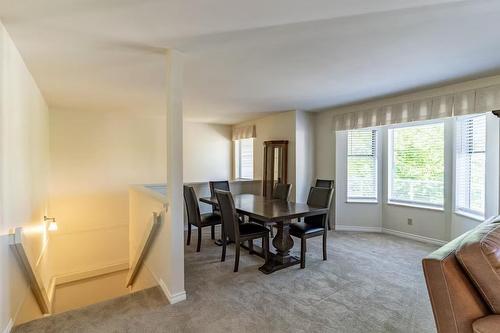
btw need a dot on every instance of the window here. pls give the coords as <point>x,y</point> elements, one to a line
<point>243,158</point>
<point>416,165</point>
<point>362,166</point>
<point>471,165</point>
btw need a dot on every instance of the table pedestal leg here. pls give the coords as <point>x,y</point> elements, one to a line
<point>283,242</point>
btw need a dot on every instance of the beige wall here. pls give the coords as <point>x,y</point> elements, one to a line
<point>94,157</point>
<point>207,152</point>
<point>279,126</point>
<point>24,163</point>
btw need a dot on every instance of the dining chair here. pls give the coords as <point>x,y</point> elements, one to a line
<point>280,192</point>
<point>236,231</point>
<point>327,183</point>
<point>217,185</point>
<point>197,219</point>
<point>313,226</point>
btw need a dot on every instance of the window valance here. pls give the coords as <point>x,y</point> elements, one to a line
<point>244,132</point>
<point>467,102</point>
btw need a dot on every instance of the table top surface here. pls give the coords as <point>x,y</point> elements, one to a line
<point>260,207</point>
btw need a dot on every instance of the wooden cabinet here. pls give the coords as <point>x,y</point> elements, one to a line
<point>275,165</point>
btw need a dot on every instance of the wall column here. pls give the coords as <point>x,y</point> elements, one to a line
<point>175,214</point>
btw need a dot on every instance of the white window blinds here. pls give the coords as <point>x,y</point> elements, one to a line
<point>362,165</point>
<point>244,158</point>
<point>471,165</point>
<point>416,165</point>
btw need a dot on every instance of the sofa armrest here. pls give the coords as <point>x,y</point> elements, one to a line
<point>488,324</point>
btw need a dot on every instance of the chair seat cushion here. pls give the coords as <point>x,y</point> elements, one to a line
<point>302,228</point>
<point>248,229</point>
<point>479,255</point>
<point>210,219</point>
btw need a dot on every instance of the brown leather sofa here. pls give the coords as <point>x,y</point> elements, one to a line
<point>463,280</point>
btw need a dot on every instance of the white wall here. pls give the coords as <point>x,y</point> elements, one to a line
<point>207,152</point>
<point>304,154</point>
<point>428,224</point>
<point>24,163</point>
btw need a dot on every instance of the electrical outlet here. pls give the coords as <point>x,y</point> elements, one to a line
<point>410,221</point>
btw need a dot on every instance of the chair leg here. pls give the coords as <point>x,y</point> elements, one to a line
<point>265,245</point>
<point>303,252</point>
<point>324,245</point>
<point>223,257</point>
<point>250,246</point>
<point>329,224</point>
<point>212,232</point>
<point>198,247</point>
<point>189,234</point>
<point>272,230</point>
<point>237,257</point>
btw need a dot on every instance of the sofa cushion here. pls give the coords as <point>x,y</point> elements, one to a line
<point>479,255</point>
<point>488,324</point>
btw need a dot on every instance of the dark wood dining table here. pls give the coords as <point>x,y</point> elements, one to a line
<point>279,212</point>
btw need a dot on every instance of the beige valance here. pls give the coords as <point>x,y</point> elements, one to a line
<point>244,132</point>
<point>467,102</point>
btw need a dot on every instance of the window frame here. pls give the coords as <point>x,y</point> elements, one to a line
<point>463,211</point>
<point>390,166</point>
<point>376,157</point>
<point>237,159</point>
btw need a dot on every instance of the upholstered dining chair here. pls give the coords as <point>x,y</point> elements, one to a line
<point>197,219</point>
<point>313,226</point>
<point>237,232</point>
<point>217,185</point>
<point>327,183</point>
<point>280,192</point>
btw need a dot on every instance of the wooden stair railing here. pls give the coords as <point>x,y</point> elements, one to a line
<point>35,281</point>
<point>144,247</point>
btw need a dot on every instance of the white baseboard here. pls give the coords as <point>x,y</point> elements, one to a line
<point>414,237</point>
<point>9,326</point>
<point>91,272</point>
<point>390,232</point>
<point>340,227</point>
<point>172,299</point>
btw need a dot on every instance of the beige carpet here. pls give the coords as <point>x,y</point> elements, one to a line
<point>370,283</point>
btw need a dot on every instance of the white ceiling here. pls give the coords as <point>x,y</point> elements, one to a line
<point>243,58</point>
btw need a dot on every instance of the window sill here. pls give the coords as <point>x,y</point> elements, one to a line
<point>360,201</point>
<point>404,204</point>
<point>471,216</point>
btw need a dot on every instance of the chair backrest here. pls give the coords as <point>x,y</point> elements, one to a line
<point>229,217</point>
<point>192,207</point>
<point>325,183</point>
<point>218,185</point>
<point>282,191</point>
<point>319,197</point>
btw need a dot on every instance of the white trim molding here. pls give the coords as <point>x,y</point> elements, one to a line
<point>413,236</point>
<point>390,232</point>
<point>172,299</point>
<point>9,326</point>
<point>340,227</point>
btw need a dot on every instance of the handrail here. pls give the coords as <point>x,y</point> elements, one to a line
<point>35,281</point>
<point>144,247</point>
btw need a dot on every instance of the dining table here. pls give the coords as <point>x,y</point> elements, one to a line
<point>280,213</point>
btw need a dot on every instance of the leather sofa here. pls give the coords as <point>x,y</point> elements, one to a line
<point>463,280</point>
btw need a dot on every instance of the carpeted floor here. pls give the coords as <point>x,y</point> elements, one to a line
<point>370,283</point>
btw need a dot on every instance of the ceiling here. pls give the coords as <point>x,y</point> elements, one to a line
<point>247,58</point>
